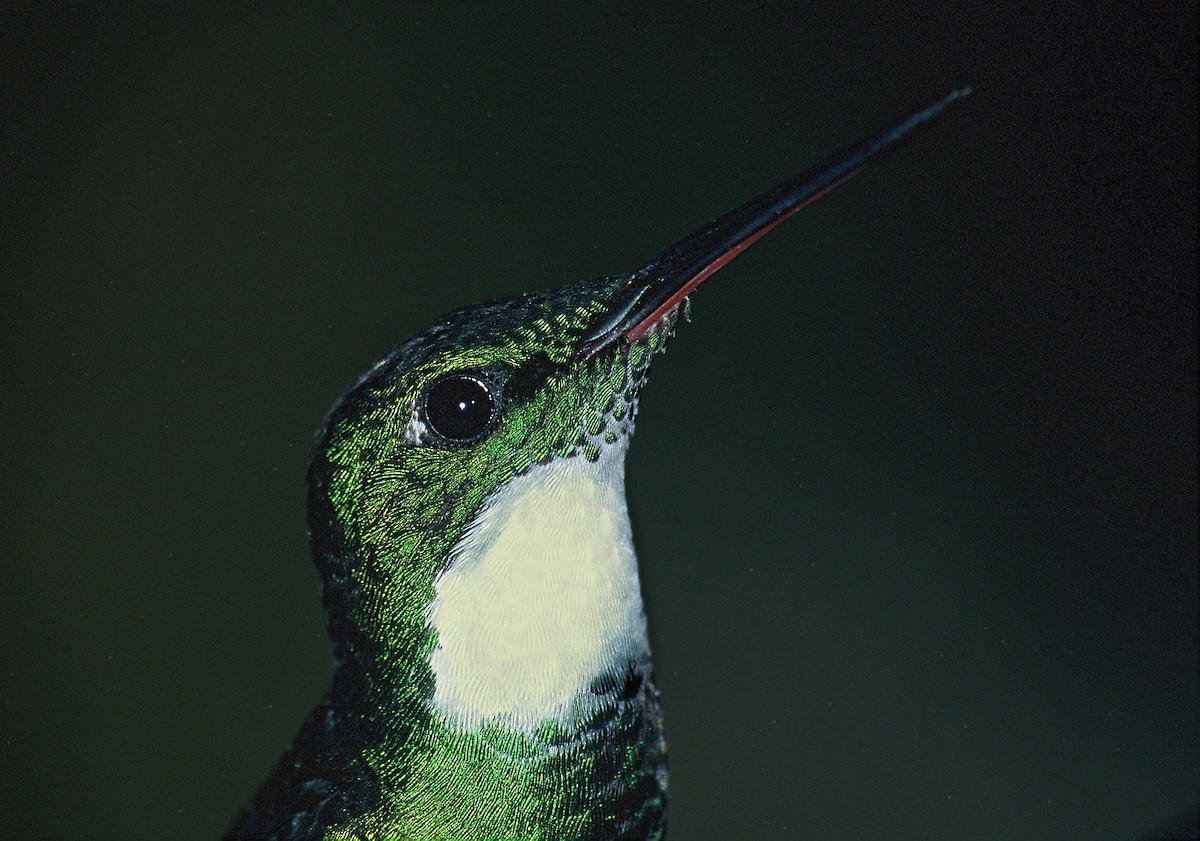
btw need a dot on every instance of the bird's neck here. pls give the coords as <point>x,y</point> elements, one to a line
<point>525,686</point>
<point>540,600</point>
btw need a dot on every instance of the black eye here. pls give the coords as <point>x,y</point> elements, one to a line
<point>459,408</point>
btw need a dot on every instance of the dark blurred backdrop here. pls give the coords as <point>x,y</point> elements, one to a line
<point>914,494</point>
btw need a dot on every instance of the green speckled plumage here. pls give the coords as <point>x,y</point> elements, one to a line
<point>375,760</point>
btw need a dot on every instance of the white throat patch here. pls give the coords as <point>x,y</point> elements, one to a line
<point>541,596</point>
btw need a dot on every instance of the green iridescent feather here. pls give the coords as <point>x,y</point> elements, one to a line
<point>376,760</point>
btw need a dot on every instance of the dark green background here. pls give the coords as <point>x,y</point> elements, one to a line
<point>914,495</point>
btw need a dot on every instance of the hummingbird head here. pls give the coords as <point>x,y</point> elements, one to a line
<point>412,453</point>
<point>466,502</point>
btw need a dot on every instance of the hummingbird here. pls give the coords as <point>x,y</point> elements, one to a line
<point>467,516</point>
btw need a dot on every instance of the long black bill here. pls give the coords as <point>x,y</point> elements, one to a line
<point>670,277</point>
